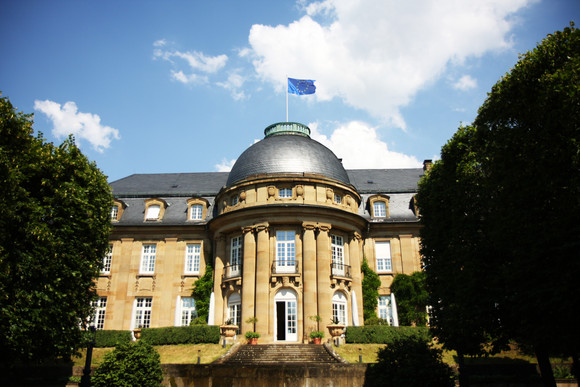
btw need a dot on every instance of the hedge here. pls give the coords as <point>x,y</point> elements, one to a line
<point>193,334</point>
<point>110,338</point>
<point>383,334</point>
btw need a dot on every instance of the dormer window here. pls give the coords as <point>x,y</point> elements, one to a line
<point>337,199</point>
<point>117,210</point>
<point>154,209</point>
<point>379,206</point>
<point>285,193</point>
<point>197,209</point>
<point>235,200</point>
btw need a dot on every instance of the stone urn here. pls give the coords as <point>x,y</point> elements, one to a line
<point>137,333</point>
<point>336,329</point>
<point>228,330</point>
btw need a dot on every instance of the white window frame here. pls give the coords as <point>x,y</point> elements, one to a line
<point>384,262</point>
<point>114,212</point>
<point>340,308</point>
<point>107,260</point>
<point>192,258</point>
<point>285,251</point>
<point>337,247</point>
<point>100,305</point>
<point>285,193</point>
<point>186,311</point>
<point>142,312</point>
<point>337,199</point>
<point>384,306</point>
<point>235,309</point>
<point>153,212</point>
<point>196,212</point>
<point>235,256</point>
<point>148,254</point>
<point>379,209</point>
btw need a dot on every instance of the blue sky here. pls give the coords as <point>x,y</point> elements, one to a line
<point>186,86</point>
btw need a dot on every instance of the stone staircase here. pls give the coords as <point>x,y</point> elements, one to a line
<point>280,353</point>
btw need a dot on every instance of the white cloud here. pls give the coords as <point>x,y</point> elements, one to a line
<point>465,83</point>
<point>234,85</point>
<point>68,120</point>
<point>360,147</point>
<point>198,64</point>
<point>376,55</point>
<point>225,165</point>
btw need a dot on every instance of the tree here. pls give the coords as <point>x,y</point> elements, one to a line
<point>514,179</point>
<point>130,365</point>
<point>412,298</point>
<point>370,292</point>
<point>201,293</point>
<point>54,229</point>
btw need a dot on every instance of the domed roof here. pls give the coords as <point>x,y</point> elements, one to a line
<point>287,148</point>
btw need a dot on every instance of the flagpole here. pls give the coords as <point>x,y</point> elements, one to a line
<point>286,98</point>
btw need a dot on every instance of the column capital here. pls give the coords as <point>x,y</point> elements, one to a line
<point>262,227</point>
<point>247,229</point>
<point>356,236</point>
<point>324,227</point>
<point>309,225</point>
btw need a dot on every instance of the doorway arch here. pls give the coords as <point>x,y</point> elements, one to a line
<point>286,315</point>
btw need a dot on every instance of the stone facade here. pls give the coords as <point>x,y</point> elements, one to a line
<point>286,242</point>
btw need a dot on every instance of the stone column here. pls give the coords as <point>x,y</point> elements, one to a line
<point>355,262</point>
<point>220,258</point>
<point>262,278</point>
<point>323,268</point>
<point>248,278</point>
<point>310,301</point>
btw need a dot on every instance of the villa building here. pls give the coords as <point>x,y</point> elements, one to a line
<point>286,231</point>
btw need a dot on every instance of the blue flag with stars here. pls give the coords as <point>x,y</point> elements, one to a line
<point>301,86</point>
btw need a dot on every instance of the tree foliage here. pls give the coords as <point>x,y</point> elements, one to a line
<point>130,365</point>
<point>412,298</point>
<point>201,293</point>
<point>370,292</point>
<point>54,229</point>
<point>501,208</point>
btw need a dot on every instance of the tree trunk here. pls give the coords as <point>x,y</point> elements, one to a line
<point>545,366</point>
<point>463,373</point>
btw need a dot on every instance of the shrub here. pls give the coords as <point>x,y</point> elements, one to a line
<point>110,338</point>
<point>384,334</point>
<point>193,334</point>
<point>410,361</point>
<point>370,290</point>
<point>252,335</point>
<point>376,321</point>
<point>130,364</point>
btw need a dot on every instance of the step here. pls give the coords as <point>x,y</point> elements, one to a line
<point>281,353</point>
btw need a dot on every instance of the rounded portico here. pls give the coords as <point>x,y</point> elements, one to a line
<point>287,234</point>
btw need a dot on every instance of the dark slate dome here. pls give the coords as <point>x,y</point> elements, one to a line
<point>287,148</point>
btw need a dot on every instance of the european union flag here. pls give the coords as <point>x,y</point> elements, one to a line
<point>301,86</point>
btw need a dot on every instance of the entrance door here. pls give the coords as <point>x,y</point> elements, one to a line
<point>286,316</point>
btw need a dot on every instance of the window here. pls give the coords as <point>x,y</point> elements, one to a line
<point>99,317</point>
<point>107,259</point>
<point>379,209</point>
<point>337,255</point>
<point>235,309</point>
<point>339,308</point>
<point>148,259</point>
<point>285,251</point>
<point>153,212</point>
<point>337,199</point>
<point>383,256</point>
<point>236,256</point>
<point>235,200</point>
<point>187,311</point>
<point>192,257</point>
<point>385,308</point>
<point>196,212</point>
<point>142,312</point>
<point>114,212</point>
<point>285,193</point>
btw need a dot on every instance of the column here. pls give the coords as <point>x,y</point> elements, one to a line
<point>323,268</point>
<point>262,278</point>
<point>220,258</point>
<point>355,262</point>
<point>248,278</point>
<point>310,302</point>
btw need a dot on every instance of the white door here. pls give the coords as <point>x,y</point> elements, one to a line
<point>286,328</point>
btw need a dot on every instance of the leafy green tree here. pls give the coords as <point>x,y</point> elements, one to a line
<point>201,293</point>
<point>410,361</point>
<point>500,212</point>
<point>412,298</point>
<point>130,365</point>
<point>370,292</point>
<point>54,229</point>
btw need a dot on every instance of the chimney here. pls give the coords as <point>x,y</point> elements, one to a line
<point>427,164</point>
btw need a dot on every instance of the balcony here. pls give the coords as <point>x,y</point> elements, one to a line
<point>232,275</point>
<point>285,272</point>
<point>340,270</point>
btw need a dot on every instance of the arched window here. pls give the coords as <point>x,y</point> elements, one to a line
<point>339,308</point>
